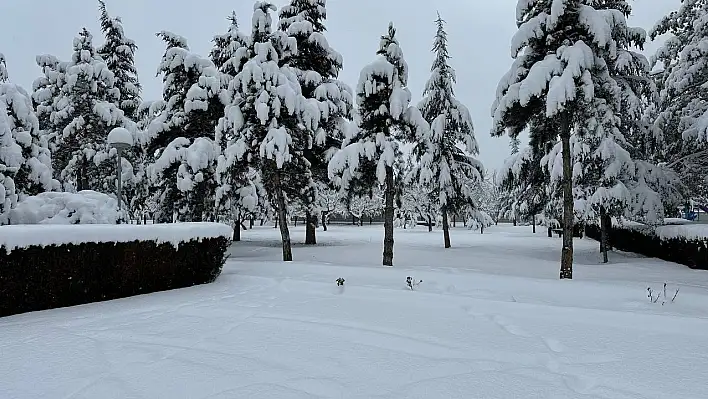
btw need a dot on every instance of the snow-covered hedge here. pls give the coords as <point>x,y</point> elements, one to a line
<point>51,266</point>
<point>84,207</point>
<point>687,245</point>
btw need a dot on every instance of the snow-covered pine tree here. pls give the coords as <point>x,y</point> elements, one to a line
<point>118,52</point>
<point>451,146</point>
<point>684,97</point>
<point>45,88</point>
<point>681,120</point>
<point>239,190</point>
<point>3,69</point>
<point>182,172</point>
<point>25,162</point>
<point>317,67</point>
<point>385,119</point>
<point>83,113</point>
<point>231,50</point>
<point>272,120</point>
<point>562,51</point>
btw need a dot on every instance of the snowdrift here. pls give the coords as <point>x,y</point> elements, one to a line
<point>84,207</point>
<point>51,266</point>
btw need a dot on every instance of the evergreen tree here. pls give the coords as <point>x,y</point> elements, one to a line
<point>562,51</point>
<point>45,90</point>
<point>680,122</point>
<point>239,191</point>
<point>231,50</point>
<point>317,66</point>
<point>385,119</point>
<point>3,69</point>
<point>271,120</point>
<point>182,173</point>
<point>25,163</point>
<point>119,54</point>
<point>83,114</point>
<point>449,165</point>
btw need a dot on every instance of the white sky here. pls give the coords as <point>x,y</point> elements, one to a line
<point>479,33</point>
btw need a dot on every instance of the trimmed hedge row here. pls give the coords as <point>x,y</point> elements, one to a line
<point>690,252</point>
<point>46,277</point>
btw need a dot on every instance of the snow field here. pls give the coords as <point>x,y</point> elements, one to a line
<point>490,320</point>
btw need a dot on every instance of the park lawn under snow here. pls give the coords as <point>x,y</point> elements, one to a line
<point>490,320</point>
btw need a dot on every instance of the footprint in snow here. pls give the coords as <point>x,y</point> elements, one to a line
<point>509,327</point>
<point>554,345</point>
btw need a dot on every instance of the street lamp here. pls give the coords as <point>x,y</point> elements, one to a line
<point>120,139</point>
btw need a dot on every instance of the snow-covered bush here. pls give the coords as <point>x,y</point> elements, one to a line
<point>25,164</point>
<point>84,207</point>
<point>50,266</point>
<point>687,245</point>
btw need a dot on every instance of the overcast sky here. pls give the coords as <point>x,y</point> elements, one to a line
<point>479,33</point>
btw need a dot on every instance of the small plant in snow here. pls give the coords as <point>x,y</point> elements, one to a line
<point>340,282</point>
<point>654,296</point>
<point>412,283</point>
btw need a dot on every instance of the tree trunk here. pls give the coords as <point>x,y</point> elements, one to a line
<point>237,231</point>
<point>550,232</point>
<point>389,194</point>
<point>430,224</point>
<point>310,229</point>
<point>533,223</point>
<point>608,244</point>
<point>566,270</point>
<point>324,221</point>
<point>603,234</point>
<point>454,220</point>
<point>251,223</point>
<point>446,229</point>
<point>371,220</point>
<point>282,217</point>
<point>353,220</point>
<point>514,221</point>
<point>481,229</point>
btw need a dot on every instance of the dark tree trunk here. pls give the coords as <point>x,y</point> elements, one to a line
<point>361,221</point>
<point>550,232</point>
<point>446,229</point>
<point>237,231</point>
<point>295,219</point>
<point>353,220</point>
<point>324,221</point>
<point>533,223</point>
<point>566,270</point>
<point>371,220</point>
<point>389,194</point>
<point>481,229</point>
<point>282,217</point>
<point>603,234</point>
<point>454,220</point>
<point>310,229</point>
<point>251,223</point>
<point>514,221</point>
<point>430,224</point>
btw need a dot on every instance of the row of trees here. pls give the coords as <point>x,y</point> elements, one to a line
<point>612,134</point>
<point>262,125</point>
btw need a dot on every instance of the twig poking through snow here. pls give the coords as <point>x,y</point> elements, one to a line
<point>411,283</point>
<point>655,299</point>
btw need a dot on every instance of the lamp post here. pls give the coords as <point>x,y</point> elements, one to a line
<point>120,139</point>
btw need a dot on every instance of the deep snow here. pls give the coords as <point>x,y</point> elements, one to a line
<point>490,320</point>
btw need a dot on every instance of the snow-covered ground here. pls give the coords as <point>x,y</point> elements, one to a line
<point>490,320</point>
